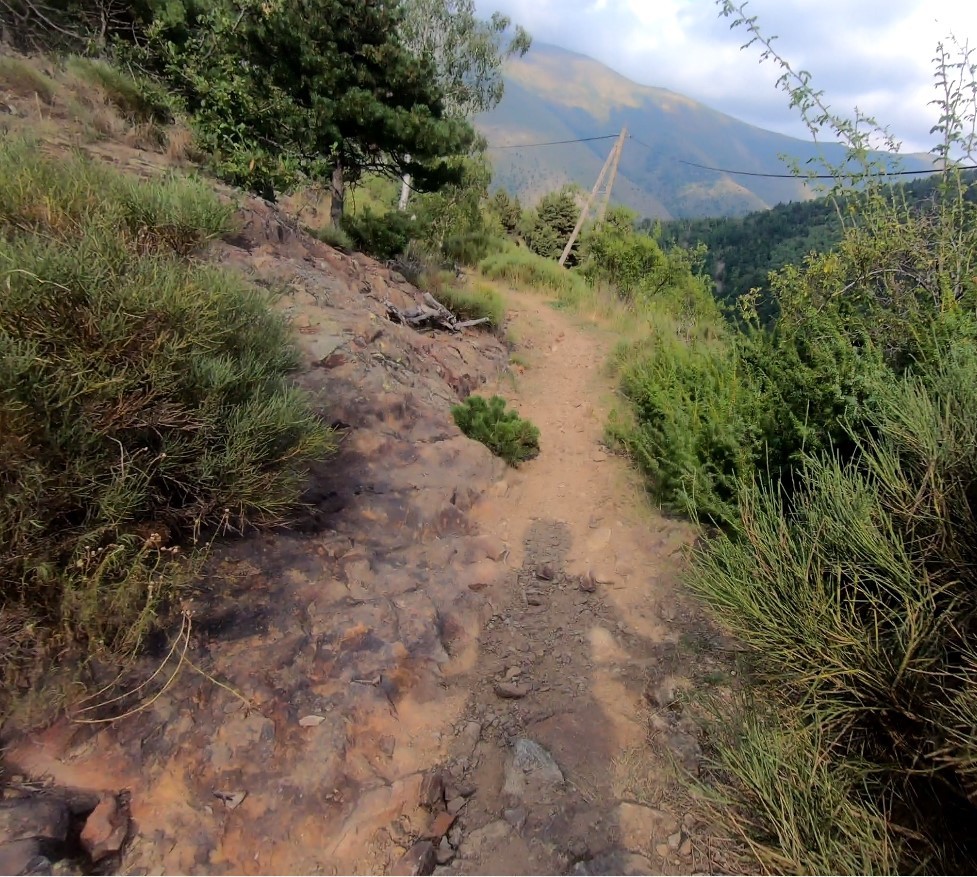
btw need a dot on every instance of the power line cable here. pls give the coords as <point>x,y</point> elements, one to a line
<point>722,170</point>
<point>554,142</point>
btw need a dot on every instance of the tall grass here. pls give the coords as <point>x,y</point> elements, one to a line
<point>138,98</point>
<point>858,597</point>
<point>21,77</point>
<point>520,267</point>
<point>143,398</point>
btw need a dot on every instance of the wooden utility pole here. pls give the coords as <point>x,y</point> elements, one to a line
<point>603,186</point>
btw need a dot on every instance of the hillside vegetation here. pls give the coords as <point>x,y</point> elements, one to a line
<point>145,402</point>
<point>742,252</point>
<point>831,454</point>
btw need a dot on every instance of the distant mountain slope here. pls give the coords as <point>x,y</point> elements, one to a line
<point>553,94</point>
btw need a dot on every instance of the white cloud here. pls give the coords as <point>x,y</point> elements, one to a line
<point>874,54</point>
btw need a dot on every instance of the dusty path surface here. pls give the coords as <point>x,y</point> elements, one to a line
<point>449,665</point>
<point>584,641</point>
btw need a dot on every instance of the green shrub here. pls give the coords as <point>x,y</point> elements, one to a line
<point>504,433</point>
<point>858,599</point>
<point>694,424</point>
<point>333,236</point>
<point>143,397</point>
<point>63,197</point>
<point>383,236</point>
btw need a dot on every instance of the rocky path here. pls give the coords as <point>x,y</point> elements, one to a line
<point>573,692</point>
<point>446,665</point>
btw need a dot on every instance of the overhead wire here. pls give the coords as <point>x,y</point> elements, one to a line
<point>722,170</point>
<point>553,142</point>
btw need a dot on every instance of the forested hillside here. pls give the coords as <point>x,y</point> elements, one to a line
<point>742,251</point>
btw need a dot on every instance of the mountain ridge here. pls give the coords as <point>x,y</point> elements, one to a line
<point>557,94</point>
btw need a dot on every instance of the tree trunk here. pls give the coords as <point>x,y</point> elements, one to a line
<point>337,191</point>
<point>404,191</point>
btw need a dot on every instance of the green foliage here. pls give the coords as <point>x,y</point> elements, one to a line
<point>797,811</point>
<point>504,433</point>
<point>333,236</point>
<point>280,89</point>
<point>383,236</point>
<point>451,221</point>
<point>837,447</point>
<point>548,228</point>
<point>468,50</point>
<point>508,210</point>
<point>142,396</point>
<point>858,598</point>
<point>615,253</point>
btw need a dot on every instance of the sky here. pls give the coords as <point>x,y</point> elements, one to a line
<point>872,54</point>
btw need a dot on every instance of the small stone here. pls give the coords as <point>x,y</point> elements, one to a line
<point>662,850</point>
<point>432,790</point>
<point>311,721</point>
<point>688,820</point>
<point>513,672</point>
<point>588,584</point>
<point>511,690</point>
<point>546,573</point>
<point>579,848</point>
<point>387,745</point>
<point>534,599</point>
<point>105,829</point>
<point>454,835</point>
<point>685,848</point>
<point>420,859</point>
<point>231,800</point>
<point>515,816</point>
<point>444,853</point>
<point>674,840</point>
<point>455,805</point>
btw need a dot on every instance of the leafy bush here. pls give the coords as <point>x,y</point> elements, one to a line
<point>142,397</point>
<point>383,236</point>
<point>694,424</point>
<point>548,228</point>
<point>504,433</point>
<point>617,254</point>
<point>333,236</point>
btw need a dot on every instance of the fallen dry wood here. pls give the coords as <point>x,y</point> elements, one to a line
<point>431,315</point>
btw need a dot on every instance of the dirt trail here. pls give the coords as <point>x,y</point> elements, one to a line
<point>515,633</point>
<point>586,629</point>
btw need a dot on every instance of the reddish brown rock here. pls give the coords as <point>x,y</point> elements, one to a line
<point>105,829</point>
